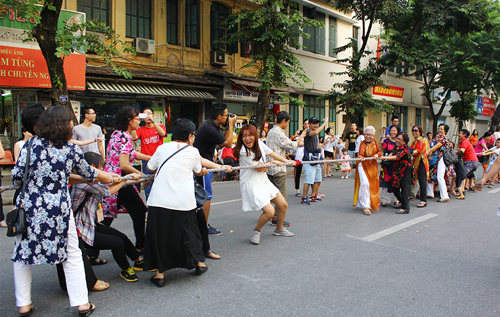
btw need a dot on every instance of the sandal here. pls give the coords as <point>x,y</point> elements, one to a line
<point>212,255</point>
<point>298,195</point>
<point>3,224</point>
<point>100,286</point>
<point>472,189</point>
<point>383,205</point>
<point>97,261</point>
<point>88,312</point>
<point>367,211</point>
<point>461,197</point>
<point>454,192</point>
<point>422,204</point>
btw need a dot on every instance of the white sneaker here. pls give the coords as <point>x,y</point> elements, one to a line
<point>342,177</point>
<point>347,177</point>
<point>283,232</point>
<point>255,238</point>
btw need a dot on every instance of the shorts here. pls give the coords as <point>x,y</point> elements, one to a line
<point>206,182</point>
<point>351,154</point>
<point>329,154</point>
<point>313,173</point>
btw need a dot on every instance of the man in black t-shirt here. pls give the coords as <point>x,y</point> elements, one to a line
<point>350,142</point>
<point>208,137</point>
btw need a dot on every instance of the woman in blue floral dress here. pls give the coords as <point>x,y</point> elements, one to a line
<point>51,234</point>
<point>440,172</point>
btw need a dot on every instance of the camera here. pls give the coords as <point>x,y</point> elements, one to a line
<point>231,115</point>
<point>143,115</point>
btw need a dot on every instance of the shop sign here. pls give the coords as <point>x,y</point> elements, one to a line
<point>389,91</point>
<point>485,106</point>
<point>22,63</point>
<point>113,96</point>
<point>27,96</point>
<point>231,93</point>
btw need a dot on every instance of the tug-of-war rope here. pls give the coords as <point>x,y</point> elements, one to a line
<point>236,168</point>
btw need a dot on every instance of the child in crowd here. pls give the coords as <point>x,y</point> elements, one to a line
<point>345,166</point>
<point>257,191</point>
<point>339,147</point>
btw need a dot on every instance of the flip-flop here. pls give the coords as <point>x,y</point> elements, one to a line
<point>461,197</point>
<point>212,255</point>
<point>422,206</point>
<point>298,195</point>
<point>97,261</point>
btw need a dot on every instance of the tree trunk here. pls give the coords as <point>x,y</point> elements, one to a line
<point>45,34</point>
<point>495,120</point>
<point>262,108</point>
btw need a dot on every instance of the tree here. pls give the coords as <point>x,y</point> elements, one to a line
<point>56,44</point>
<point>272,30</point>
<point>403,23</point>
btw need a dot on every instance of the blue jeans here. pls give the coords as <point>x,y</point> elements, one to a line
<point>147,190</point>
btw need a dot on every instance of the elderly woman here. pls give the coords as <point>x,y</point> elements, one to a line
<point>366,185</point>
<point>420,162</point>
<point>440,170</point>
<point>173,238</point>
<point>51,235</point>
<point>388,145</point>
<point>403,172</point>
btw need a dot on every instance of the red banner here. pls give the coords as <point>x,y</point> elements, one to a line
<point>488,107</point>
<point>391,91</point>
<point>24,67</point>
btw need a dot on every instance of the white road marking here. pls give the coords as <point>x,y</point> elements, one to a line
<point>225,202</point>
<point>494,191</point>
<point>397,228</point>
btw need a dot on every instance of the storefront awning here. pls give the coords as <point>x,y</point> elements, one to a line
<point>156,90</point>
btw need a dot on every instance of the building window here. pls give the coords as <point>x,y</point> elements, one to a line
<point>355,37</point>
<point>294,122</point>
<point>192,24</point>
<point>332,114</point>
<point>418,117</point>
<point>316,43</point>
<point>96,10</point>
<point>138,18</point>
<point>314,108</point>
<point>419,68</point>
<point>218,30</point>
<point>172,21</point>
<point>332,36</point>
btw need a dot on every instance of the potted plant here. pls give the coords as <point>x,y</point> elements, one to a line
<point>5,124</point>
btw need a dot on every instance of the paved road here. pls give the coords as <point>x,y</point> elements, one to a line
<point>444,262</point>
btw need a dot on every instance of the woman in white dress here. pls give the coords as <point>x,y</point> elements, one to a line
<point>257,192</point>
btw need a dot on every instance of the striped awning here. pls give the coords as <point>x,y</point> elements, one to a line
<point>156,90</point>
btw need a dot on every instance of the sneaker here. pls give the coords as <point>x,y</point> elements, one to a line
<point>212,231</point>
<point>342,177</point>
<point>255,238</point>
<point>305,201</point>
<point>313,199</point>
<point>274,222</point>
<point>490,186</point>
<point>139,266</point>
<point>348,176</point>
<point>129,275</point>
<point>283,232</point>
<point>316,198</point>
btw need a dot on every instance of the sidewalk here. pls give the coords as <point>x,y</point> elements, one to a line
<point>7,181</point>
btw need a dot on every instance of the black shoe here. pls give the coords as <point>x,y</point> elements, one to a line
<point>201,269</point>
<point>274,222</point>
<point>28,313</point>
<point>129,275</point>
<point>402,211</point>
<point>213,231</point>
<point>87,312</point>
<point>159,282</point>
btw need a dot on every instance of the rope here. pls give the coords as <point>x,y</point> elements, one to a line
<point>236,168</point>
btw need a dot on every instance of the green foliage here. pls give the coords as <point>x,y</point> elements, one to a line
<point>272,30</point>
<point>463,109</point>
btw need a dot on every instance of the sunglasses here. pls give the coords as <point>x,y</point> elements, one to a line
<point>415,130</point>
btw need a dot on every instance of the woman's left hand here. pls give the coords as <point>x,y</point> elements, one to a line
<point>279,163</point>
<point>375,156</point>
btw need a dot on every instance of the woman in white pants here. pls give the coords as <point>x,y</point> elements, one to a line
<point>50,235</point>
<point>441,170</point>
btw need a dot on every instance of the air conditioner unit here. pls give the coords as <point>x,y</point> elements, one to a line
<point>218,58</point>
<point>144,46</point>
<point>98,36</point>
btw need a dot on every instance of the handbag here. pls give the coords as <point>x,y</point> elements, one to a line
<point>200,193</point>
<point>16,218</point>
<point>450,157</point>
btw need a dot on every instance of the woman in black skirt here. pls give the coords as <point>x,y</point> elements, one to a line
<point>173,238</point>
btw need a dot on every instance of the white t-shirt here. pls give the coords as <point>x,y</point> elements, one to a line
<point>360,139</point>
<point>496,135</point>
<point>173,187</point>
<point>328,145</point>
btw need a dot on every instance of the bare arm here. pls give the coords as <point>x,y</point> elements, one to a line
<point>101,150</point>
<point>320,128</point>
<point>229,133</point>
<point>143,157</point>
<point>125,164</point>
<point>159,129</point>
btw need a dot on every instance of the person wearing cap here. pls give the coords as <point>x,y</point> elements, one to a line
<point>312,152</point>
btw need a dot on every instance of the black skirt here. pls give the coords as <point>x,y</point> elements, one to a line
<point>173,240</point>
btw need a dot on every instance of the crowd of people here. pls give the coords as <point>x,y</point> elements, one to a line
<point>75,190</point>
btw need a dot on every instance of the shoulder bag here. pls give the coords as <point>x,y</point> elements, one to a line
<point>200,193</point>
<point>450,157</point>
<point>16,218</point>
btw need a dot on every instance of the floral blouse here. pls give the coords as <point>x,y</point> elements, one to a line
<point>420,146</point>
<point>120,142</point>
<point>401,164</point>
<point>47,201</point>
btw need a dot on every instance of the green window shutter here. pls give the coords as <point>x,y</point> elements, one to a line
<point>233,47</point>
<point>320,35</point>
<point>332,36</point>
<point>308,43</point>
